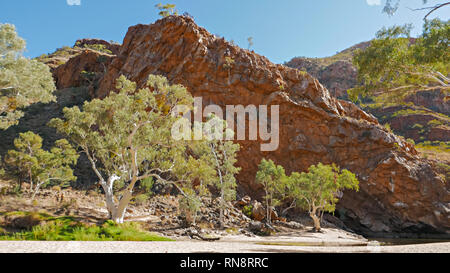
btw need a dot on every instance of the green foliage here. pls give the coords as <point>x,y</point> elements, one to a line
<point>141,198</point>
<point>272,178</point>
<point>391,7</point>
<point>222,155</point>
<point>61,55</point>
<point>127,138</point>
<point>145,188</point>
<point>437,146</point>
<point>22,81</point>
<point>229,62</point>
<point>435,122</point>
<point>69,229</point>
<point>388,127</point>
<point>147,184</point>
<point>166,10</point>
<point>42,167</point>
<point>318,190</point>
<point>417,126</point>
<point>99,48</point>
<point>65,51</point>
<point>407,112</point>
<point>396,64</point>
<point>190,205</point>
<point>248,211</point>
<point>411,141</point>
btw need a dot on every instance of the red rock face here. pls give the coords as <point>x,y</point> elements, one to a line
<point>436,100</point>
<point>70,73</point>
<point>399,192</point>
<point>416,125</point>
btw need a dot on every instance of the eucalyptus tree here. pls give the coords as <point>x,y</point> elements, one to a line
<point>396,63</point>
<point>127,138</point>
<point>223,156</point>
<point>22,81</point>
<point>272,178</point>
<point>42,167</point>
<point>319,189</point>
<point>166,9</point>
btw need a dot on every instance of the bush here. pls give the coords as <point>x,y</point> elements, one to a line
<point>248,211</point>
<point>434,123</point>
<point>99,48</point>
<point>388,127</point>
<point>141,198</point>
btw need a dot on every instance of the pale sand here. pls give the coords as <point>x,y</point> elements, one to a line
<point>204,247</point>
<point>331,241</point>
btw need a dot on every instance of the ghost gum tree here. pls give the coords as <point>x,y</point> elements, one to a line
<point>271,177</point>
<point>127,138</point>
<point>223,158</point>
<point>394,64</point>
<point>391,6</point>
<point>319,189</point>
<point>22,81</point>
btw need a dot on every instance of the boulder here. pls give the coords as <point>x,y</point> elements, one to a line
<point>258,211</point>
<point>260,228</point>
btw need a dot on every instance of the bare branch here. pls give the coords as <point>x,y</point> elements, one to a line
<point>436,8</point>
<point>432,9</point>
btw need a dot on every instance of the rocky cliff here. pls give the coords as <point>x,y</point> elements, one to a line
<point>338,74</point>
<point>399,192</point>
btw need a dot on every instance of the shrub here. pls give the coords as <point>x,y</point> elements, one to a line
<point>388,127</point>
<point>99,48</point>
<point>68,229</point>
<point>43,168</point>
<point>434,123</point>
<point>248,210</point>
<point>270,176</point>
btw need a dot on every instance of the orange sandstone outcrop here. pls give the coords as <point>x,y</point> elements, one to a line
<point>70,74</point>
<point>398,191</point>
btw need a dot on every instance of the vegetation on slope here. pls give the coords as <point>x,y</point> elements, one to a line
<point>44,227</point>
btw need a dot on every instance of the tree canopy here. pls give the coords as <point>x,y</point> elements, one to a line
<point>395,62</point>
<point>391,6</point>
<point>22,81</point>
<point>127,138</point>
<point>166,9</point>
<point>271,177</point>
<point>223,155</point>
<point>42,167</point>
<point>319,189</point>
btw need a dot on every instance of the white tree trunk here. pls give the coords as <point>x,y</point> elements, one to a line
<point>222,205</point>
<point>116,211</point>
<point>36,189</point>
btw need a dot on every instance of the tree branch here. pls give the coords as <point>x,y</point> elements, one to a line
<point>433,9</point>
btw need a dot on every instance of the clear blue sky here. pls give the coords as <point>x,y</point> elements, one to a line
<point>281,29</point>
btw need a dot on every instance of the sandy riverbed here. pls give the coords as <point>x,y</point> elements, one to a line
<point>332,240</point>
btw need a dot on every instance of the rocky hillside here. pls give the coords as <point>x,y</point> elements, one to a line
<point>399,191</point>
<point>422,116</point>
<point>337,72</point>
